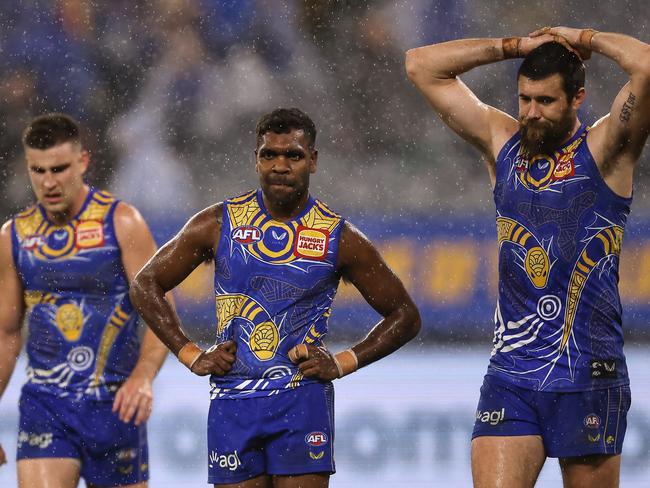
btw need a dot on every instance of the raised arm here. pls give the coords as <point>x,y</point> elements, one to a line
<point>134,399</point>
<point>196,243</point>
<point>616,140</point>
<point>11,314</point>
<point>435,69</point>
<point>361,264</point>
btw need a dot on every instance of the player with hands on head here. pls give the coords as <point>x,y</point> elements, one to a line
<point>557,382</point>
<point>279,255</point>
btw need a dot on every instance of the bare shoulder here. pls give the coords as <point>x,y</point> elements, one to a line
<point>5,230</point>
<point>202,230</point>
<point>354,246</point>
<point>208,218</point>
<point>127,216</point>
<point>5,235</point>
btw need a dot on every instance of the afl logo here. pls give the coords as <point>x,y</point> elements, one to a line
<point>247,234</point>
<point>592,421</point>
<point>316,438</point>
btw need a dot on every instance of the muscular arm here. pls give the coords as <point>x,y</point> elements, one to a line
<point>195,243</point>
<point>135,397</point>
<point>435,69</point>
<point>361,264</point>
<point>137,247</point>
<point>11,313</point>
<point>616,141</point>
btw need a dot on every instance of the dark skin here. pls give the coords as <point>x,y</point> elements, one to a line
<point>284,163</point>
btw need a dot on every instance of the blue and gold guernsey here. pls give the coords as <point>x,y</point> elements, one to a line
<point>83,338</point>
<point>274,286</point>
<point>559,226</point>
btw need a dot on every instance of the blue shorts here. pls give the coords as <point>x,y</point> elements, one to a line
<point>570,424</point>
<point>290,433</point>
<point>111,452</point>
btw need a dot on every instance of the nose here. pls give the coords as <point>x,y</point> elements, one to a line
<point>533,111</point>
<point>49,181</point>
<point>281,165</point>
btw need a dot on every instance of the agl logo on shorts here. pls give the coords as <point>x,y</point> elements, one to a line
<point>246,234</point>
<point>493,418</point>
<point>311,243</point>
<point>228,461</point>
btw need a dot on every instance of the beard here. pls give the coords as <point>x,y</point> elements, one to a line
<point>539,137</point>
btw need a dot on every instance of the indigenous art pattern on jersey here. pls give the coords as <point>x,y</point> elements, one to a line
<point>82,327</point>
<point>274,286</point>
<point>559,229</point>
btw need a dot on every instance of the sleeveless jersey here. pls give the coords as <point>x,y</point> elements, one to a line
<point>560,227</point>
<point>83,337</point>
<point>274,285</point>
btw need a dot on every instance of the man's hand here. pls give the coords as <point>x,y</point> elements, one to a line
<point>314,362</point>
<point>527,44</point>
<point>565,35</point>
<point>134,398</point>
<point>217,360</point>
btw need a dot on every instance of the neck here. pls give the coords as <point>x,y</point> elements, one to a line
<point>281,211</point>
<point>576,126</point>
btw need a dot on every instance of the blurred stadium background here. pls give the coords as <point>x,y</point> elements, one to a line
<point>170,91</point>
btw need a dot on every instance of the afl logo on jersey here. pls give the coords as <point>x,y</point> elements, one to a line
<point>316,439</point>
<point>311,243</point>
<point>246,234</point>
<point>32,242</point>
<point>90,233</point>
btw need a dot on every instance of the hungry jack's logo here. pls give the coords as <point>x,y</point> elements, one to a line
<point>311,243</point>
<point>89,233</point>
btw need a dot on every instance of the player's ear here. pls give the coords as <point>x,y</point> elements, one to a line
<point>85,160</point>
<point>313,164</point>
<point>579,98</point>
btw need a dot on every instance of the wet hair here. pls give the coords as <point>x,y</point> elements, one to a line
<point>283,121</point>
<point>553,58</point>
<point>49,130</point>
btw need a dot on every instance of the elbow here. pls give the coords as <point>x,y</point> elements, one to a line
<point>137,290</point>
<point>414,322</point>
<point>412,64</point>
<point>645,65</point>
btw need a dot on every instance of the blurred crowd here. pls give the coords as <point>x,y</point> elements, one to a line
<point>169,92</point>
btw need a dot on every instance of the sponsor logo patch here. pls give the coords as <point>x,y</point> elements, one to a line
<point>311,243</point>
<point>593,438</point>
<point>229,461</point>
<point>316,439</point>
<point>592,421</point>
<point>247,234</point>
<point>316,457</point>
<point>603,368</point>
<point>493,417</point>
<point>89,233</point>
<point>565,167</point>
<point>34,440</point>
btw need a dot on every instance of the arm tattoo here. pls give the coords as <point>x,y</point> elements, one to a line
<point>626,111</point>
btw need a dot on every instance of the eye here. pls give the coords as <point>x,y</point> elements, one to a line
<point>37,170</point>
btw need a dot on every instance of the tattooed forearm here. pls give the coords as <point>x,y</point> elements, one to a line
<point>626,111</point>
